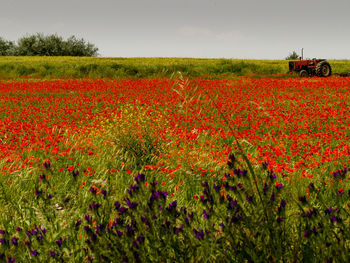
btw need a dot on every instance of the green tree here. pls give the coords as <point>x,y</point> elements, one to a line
<point>292,56</point>
<point>7,48</point>
<point>53,45</point>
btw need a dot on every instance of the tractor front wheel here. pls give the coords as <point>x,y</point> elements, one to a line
<point>303,73</point>
<point>323,69</point>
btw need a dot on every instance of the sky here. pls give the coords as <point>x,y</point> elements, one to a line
<point>242,29</point>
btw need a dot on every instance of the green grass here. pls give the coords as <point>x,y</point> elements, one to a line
<point>84,67</point>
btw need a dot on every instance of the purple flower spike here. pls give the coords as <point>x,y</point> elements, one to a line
<point>14,240</point>
<point>205,214</point>
<point>199,234</point>
<point>139,178</point>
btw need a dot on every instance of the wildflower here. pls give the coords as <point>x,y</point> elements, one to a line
<point>311,186</point>
<point>278,185</point>
<point>2,232</point>
<point>87,229</point>
<point>280,219</point>
<point>340,191</point>
<point>122,209</point>
<point>139,178</point>
<point>265,165</point>
<point>129,230</point>
<point>232,204</point>
<point>130,204</point>
<point>52,253</point>
<point>178,229</point>
<point>104,192</point>
<point>75,173</point>
<point>35,252</point>
<point>172,206</point>
<point>93,190</point>
<point>302,199</point>
<point>18,229</point>
<point>216,188</point>
<point>14,240</point>
<point>231,161</point>
<point>94,206</point>
<point>88,218</point>
<point>11,260</point>
<point>78,223</point>
<point>199,234</point>
<point>59,242</point>
<point>117,205</point>
<point>272,177</point>
<point>329,210</point>
<point>249,198</point>
<point>47,165</point>
<point>205,214</point>
<point>306,234</point>
<point>265,188</point>
<point>283,203</point>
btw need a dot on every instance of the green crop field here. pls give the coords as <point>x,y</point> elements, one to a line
<point>76,67</point>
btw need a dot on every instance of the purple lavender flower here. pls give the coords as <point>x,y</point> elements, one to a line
<point>117,205</point>
<point>87,229</point>
<point>52,254</point>
<point>94,206</point>
<point>47,165</point>
<point>266,187</point>
<point>272,177</point>
<point>122,209</point>
<point>35,252</point>
<point>232,204</point>
<point>130,204</point>
<point>14,240</point>
<point>93,190</point>
<point>205,214</point>
<point>302,199</point>
<point>329,210</point>
<point>216,188</point>
<point>306,234</point>
<point>59,242</point>
<point>88,218</point>
<point>249,198</point>
<point>3,241</point>
<point>75,173</point>
<point>178,229</point>
<point>11,260</point>
<point>104,192</point>
<point>18,229</point>
<point>129,230</point>
<point>199,234</point>
<point>78,223</point>
<point>283,203</point>
<point>139,178</point>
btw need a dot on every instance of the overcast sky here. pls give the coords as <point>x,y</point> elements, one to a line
<point>255,29</point>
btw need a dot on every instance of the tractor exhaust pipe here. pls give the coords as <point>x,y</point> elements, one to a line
<point>302,53</point>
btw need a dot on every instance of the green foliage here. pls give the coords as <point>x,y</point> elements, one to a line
<point>50,45</point>
<point>292,56</point>
<point>7,48</point>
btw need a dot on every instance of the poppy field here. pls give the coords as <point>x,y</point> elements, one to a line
<point>190,170</point>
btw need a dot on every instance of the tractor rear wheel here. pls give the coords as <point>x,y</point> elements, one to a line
<point>323,69</point>
<point>303,73</point>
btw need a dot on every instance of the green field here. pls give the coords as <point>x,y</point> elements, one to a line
<point>77,67</point>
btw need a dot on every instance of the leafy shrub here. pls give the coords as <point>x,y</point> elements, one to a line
<point>50,45</point>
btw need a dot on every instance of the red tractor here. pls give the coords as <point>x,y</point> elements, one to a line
<point>311,67</point>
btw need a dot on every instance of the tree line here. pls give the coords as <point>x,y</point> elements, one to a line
<point>49,45</point>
